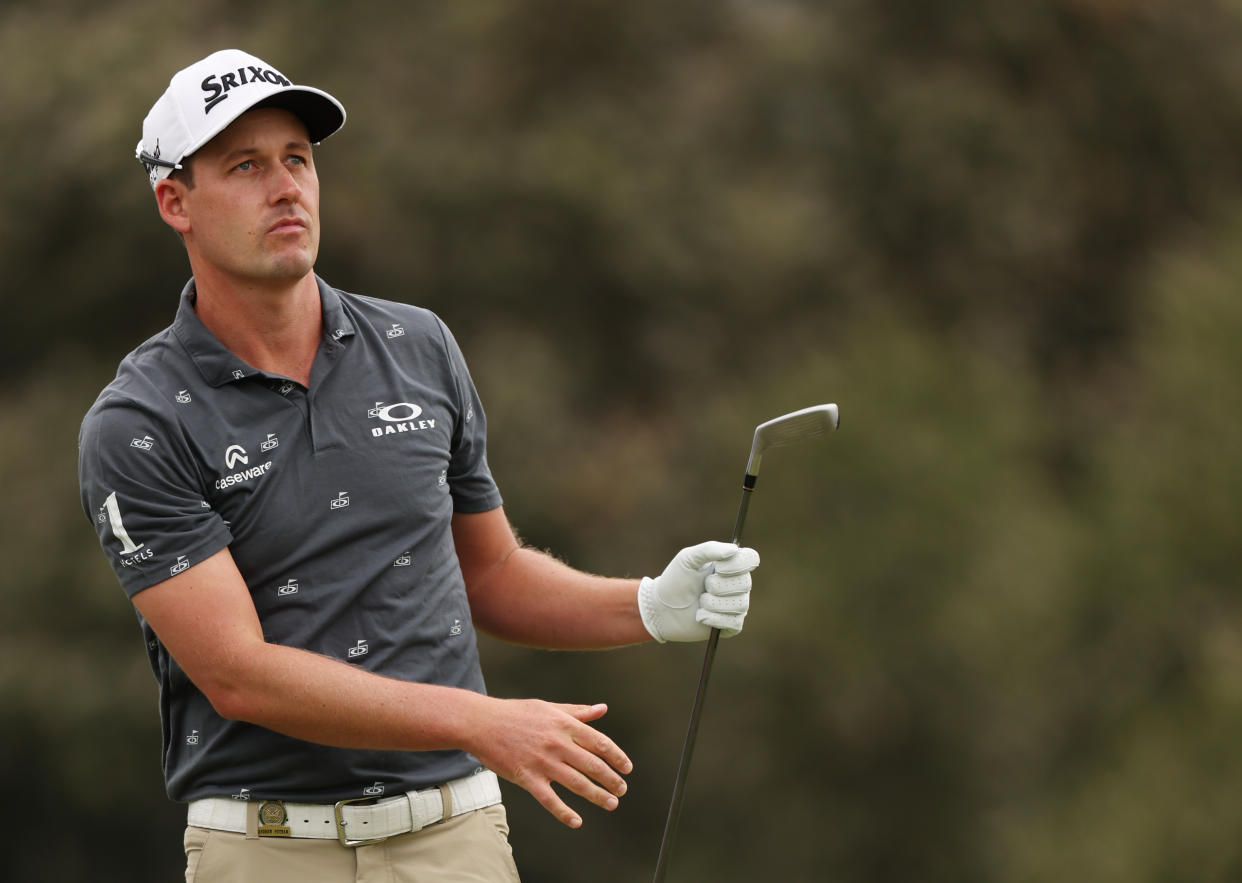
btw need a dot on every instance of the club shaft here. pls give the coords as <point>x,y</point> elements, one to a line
<point>696,713</point>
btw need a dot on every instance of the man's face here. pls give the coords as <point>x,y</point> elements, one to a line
<point>253,212</point>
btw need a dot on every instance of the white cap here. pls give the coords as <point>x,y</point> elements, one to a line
<point>204,98</point>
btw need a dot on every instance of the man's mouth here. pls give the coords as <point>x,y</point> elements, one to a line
<point>288,225</point>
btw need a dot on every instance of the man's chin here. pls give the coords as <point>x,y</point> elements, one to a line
<point>291,267</point>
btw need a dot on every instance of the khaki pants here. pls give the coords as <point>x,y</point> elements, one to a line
<point>470,848</point>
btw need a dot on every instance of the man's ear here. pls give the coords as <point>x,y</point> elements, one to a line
<point>170,199</point>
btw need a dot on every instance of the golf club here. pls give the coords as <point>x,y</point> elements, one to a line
<point>789,429</point>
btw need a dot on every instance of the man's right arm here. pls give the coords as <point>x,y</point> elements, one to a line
<point>205,618</point>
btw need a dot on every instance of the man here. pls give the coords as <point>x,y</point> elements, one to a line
<point>291,483</point>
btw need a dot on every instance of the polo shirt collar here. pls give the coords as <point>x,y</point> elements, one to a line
<point>217,363</point>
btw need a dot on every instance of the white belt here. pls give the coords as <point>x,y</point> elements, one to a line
<point>352,825</point>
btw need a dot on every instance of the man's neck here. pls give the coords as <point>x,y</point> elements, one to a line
<point>276,328</point>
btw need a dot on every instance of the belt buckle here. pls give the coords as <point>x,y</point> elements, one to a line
<point>340,824</point>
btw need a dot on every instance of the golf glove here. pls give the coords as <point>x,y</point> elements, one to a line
<point>704,587</point>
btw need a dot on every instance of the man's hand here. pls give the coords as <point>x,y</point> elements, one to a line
<point>534,743</point>
<point>704,587</point>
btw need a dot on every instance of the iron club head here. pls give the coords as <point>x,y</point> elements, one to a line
<point>790,429</point>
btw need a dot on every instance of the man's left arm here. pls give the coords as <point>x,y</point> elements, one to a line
<point>525,596</point>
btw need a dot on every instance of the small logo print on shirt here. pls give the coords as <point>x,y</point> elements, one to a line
<point>395,331</point>
<point>192,739</point>
<point>403,560</point>
<point>456,629</point>
<point>374,790</point>
<point>182,397</point>
<point>243,794</point>
<point>289,588</point>
<point>359,649</point>
<point>181,565</point>
<point>341,501</point>
<point>143,444</point>
<point>285,388</point>
<point>270,442</point>
<point>239,374</point>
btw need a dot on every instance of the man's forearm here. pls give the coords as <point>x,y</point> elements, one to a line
<point>323,700</point>
<point>527,741</point>
<point>533,599</point>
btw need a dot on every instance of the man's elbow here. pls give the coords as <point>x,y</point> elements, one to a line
<point>231,702</point>
<point>233,693</point>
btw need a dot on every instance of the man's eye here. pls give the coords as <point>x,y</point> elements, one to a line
<point>244,166</point>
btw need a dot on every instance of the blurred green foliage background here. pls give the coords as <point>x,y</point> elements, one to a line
<point>996,635</point>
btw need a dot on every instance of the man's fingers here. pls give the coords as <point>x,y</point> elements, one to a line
<point>551,801</point>
<point>693,558</point>
<point>582,783</point>
<point>596,742</point>
<point>584,713</point>
<point>591,764</point>
<point>730,604</point>
<point>744,560</point>
<point>721,584</point>
<point>584,775</point>
<point>555,745</point>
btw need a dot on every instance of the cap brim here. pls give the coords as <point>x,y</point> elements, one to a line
<point>319,112</point>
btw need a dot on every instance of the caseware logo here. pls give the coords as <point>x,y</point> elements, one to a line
<point>233,455</point>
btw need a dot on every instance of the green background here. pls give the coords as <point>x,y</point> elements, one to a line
<point>996,634</point>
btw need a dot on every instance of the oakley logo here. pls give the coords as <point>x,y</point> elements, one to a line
<point>397,413</point>
<point>398,417</point>
<point>217,86</point>
<point>233,455</point>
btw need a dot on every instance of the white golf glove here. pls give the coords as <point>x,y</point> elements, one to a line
<point>704,587</point>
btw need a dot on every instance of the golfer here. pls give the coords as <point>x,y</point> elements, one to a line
<point>291,484</point>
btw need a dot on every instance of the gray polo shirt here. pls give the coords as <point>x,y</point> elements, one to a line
<point>335,501</point>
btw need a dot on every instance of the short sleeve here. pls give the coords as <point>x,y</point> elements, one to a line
<point>142,491</point>
<point>470,480</point>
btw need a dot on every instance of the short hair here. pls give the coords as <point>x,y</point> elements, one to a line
<point>185,174</point>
